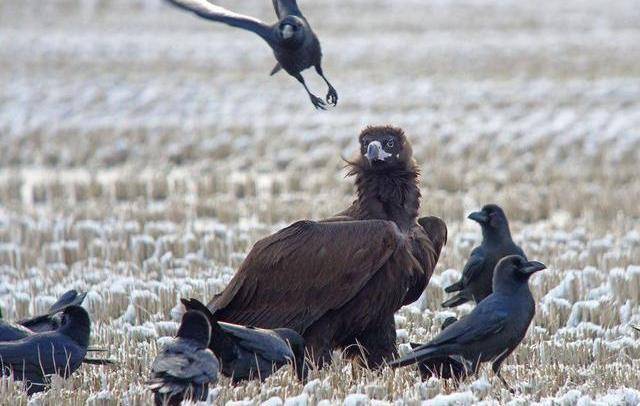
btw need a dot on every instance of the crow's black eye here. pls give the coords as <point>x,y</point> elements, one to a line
<point>389,143</point>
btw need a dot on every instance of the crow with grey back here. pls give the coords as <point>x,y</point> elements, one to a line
<point>249,352</point>
<point>477,275</point>
<point>185,367</point>
<point>494,328</point>
<point>338,281</point>
<point>295,46</point>
<point>35,357</point>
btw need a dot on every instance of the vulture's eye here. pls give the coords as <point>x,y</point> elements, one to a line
<point>389,143</point>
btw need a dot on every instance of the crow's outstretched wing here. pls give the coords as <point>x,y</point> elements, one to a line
<point>212,12</point>
<point>287,8</point>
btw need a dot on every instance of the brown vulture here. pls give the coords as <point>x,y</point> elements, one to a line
<point>339,281</point>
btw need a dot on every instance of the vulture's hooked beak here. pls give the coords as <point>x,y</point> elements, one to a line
<point>375,152</point>
<point>532,267</point>
<point>479,217</point>
<point>287,31</point>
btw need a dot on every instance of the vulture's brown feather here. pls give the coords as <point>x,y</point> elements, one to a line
<point>339,281</point>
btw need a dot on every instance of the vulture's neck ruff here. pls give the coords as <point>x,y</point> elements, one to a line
<point>390,193</point>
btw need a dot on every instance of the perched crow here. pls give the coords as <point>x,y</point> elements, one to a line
<point>294,44</point>
<point>496,325</point>
<point>249,352</point>
<point>33,358</point>
<point>477,274</point>
<point>185,367</point>
<point>50,321</point>
<point>445,367</point>
<point>339,281</point>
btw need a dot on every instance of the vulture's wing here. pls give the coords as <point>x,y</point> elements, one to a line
<point>287,8</point>
<point>264,342</point>
<point>436,229</point>
<point>293,277</point>
<point>427,240</point>
<point>212,12</point>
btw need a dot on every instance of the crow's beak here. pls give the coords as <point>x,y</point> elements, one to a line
<point>479,217</point>
<point>375,152</point>
<point>532,267</point>
<point>287,31</point>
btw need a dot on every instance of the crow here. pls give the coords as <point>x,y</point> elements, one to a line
<point>35,357</point>
<point>446,367</point>
<point>339,281</point>
<point>494,328</point>
<point>295,46</point>
<point>49,321</point>
<point>185,367</point>
<point>249,352</point>
<point>477,274</point>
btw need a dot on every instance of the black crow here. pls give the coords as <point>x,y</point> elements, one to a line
<point>51,320</point>
<point>339,281</point>
<point>496,325</point>
<point>34,358</point>
<point>185,367</point>
<point>477,274</point>
<point>294,44</point>
<point>446,367</point>
<point>249,352</point>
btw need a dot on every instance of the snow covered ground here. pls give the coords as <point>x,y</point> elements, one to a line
<point>143,151</point>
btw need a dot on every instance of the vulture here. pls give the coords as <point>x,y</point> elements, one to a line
<point>185,367</point>
<point>250,352</point>
<point>494,328</point>
<point>35,357</point>
<point>477,275</point>
<point>295,46</point>
<point>339,281</point>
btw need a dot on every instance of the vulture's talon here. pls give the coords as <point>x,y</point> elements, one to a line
<point>318,103</point>
<point>332,97</point>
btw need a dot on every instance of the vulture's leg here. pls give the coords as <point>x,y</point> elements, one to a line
<point>332,95</point>
<point>318,347</point>
<point>379,344</point>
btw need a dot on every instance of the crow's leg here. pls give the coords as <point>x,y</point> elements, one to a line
<point>332,95</point>
<point>317,102</point>
<point>496,369</point>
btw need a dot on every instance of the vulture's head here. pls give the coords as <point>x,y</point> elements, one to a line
<point>385,147</point>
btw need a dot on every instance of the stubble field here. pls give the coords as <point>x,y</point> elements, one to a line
<point>143,152</point>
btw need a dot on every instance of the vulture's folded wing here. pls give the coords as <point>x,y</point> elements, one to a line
<point>212,12</point>
<point>427,240</point>
<point>293,277</point>
<point>286,8</point>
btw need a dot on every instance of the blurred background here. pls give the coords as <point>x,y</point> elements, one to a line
<point>143,150</point>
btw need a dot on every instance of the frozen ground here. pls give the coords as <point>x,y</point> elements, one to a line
<point>143,151</point>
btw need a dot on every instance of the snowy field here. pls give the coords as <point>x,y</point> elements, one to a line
<point>143,152</point>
